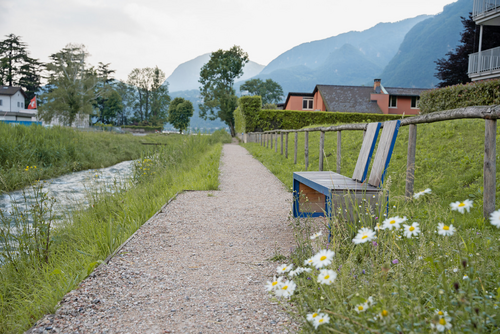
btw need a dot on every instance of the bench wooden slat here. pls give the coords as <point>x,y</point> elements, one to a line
<point>384,153</point>
<point>366,152</point>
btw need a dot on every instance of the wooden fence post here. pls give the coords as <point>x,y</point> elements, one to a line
<point>272,140</point>
<point>306,150</point>
<point>321,149</point>
<point>339,155</point>
<point>286,145</point>
<point>410,161</point>
<point>281,138</point>
<point>296,146</point>
<point>489,173</point>
<point>276,142</point>
<point>267,139</point>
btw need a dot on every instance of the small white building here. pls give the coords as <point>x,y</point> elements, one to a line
<point>12,106</point>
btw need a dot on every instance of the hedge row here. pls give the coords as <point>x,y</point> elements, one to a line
<point>250,118</point>
<point>482,93</point>
<point>146,128</point>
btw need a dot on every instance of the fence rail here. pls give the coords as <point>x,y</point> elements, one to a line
<point>489,114</point>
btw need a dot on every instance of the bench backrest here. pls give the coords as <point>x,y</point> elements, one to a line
<point>366,152</point>
<point>384,153</point>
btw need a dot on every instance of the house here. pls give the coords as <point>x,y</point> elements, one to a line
<point>12,108</point>
<point>361,99</point>
<point>485,64</point>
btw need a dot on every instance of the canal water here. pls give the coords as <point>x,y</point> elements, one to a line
<point>71,190</point>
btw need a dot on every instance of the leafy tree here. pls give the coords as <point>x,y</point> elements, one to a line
<point>269,90</point>
<point>112,107</point>
<point>159,98</point>
<point>103,90</point>
<point>453,69</point>
<point>71,85</point>
<point>217,80</point>
<point>17,68</point>
<point>128,98</point>
<point>179,113</point>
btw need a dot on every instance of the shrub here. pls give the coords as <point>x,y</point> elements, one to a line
<point>248,109</point>
<point>482,93</point>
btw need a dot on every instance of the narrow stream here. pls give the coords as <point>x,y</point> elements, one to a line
<point>70,190</point>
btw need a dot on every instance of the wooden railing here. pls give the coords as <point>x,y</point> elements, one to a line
<point>489,114</point>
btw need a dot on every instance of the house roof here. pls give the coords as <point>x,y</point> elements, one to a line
<point>405,91</point>
<point>348,98</point>
<point>297,94</point>
<point>10,90</point>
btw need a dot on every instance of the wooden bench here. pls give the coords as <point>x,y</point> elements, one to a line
<point>316,194</point>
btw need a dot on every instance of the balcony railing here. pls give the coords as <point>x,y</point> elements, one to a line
<point>490,61</point>
<point>485,7</point>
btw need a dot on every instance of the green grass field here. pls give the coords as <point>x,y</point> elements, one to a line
<point>419,284</point>
<point>58,151</point>
<point>30,287</point>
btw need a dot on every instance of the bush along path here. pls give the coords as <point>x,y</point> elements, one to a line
<point>200,266</point>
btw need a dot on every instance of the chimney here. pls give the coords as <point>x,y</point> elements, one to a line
<point>376,85</point>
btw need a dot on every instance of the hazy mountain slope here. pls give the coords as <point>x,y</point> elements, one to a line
<point>186,75</point>
<point>379,43</point>
<point>427,41</point>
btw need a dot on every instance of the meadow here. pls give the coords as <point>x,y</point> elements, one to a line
<point>56,151</point>
<point>428,265</point>
<point>32,282</point>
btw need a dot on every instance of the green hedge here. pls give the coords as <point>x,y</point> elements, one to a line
<point>482,93</point>
<point>146,128</point>
<point>250,118</point>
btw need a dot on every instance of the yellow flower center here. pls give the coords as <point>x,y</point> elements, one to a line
<point>327,276</point>
<point>446,227</point>
<point>392,222</point>
<point>323,258</point>
<point>284,268</point>
<point>385,313</point>
<point>321,320</point>
<point>412,228</point>
<point>440,313</point>
<point>364,237</point>
<point>275,282</point>
<point>361,308</point>
<point>442,321</point>
<point>285,287</point>
<point>461,204</point>
<point>315,315</point>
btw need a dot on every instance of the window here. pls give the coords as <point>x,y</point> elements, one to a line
<point>22,104</point>
<point>415,101</point>
<point>1,102</point>
<point>18,104</point>
<point>307,103</point>
<point>393,102</point>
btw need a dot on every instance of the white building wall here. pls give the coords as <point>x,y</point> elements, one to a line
<point>12,103</point>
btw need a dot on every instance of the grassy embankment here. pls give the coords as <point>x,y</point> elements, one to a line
<point>58,151</point>
<point>30,287</point>
<point>410,279</point>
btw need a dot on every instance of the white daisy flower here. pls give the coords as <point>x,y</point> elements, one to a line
<point>361,307</point>
<point>309,261</point>
<point>323,258</point>
<point>298,271</point>
<point>420,257</point>
<point>311,317</point>
<point>284,268</point>
<point>370,301</point>
<point>382,315</point>
<point>443,314</point>
<point>466,277</point>
<point>321,319</point>
<point>445,229</point>
<point>411,230</point>
<point>270,286</point>
<point>462,206</point>
<point>327,276</point>
<point>364,235</point>
<point>315,235</point>
<point>423,192</point>
<point>285,289</point>
<point>441,325</point>
<point>495,218</point>
<point>393,223</point>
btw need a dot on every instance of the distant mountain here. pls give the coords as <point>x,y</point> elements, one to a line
<point>196,121</point>
<point>186,75</point>
<point>426,42</point>
<point>379,43</point>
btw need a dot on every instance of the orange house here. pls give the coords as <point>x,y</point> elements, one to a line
<point>361,99</point>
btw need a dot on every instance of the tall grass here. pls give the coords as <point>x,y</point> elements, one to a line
<point>93,233</point>
<point>57,151</point>
<point>410,279</point>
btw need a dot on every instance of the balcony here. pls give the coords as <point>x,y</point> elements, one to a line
<point>485,67</point>
<point>486,12</point>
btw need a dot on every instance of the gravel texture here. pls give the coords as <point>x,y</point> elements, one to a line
<point>198,267</point>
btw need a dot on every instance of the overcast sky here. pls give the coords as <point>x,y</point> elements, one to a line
<point>130,34</point>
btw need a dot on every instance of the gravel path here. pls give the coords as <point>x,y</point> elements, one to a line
<point>198,267</point>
